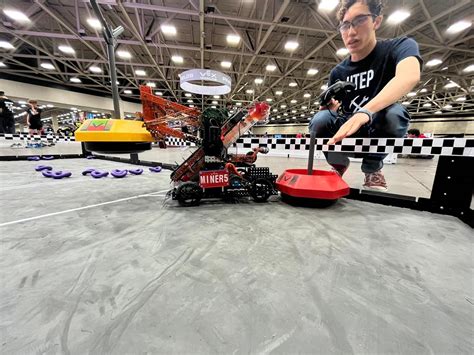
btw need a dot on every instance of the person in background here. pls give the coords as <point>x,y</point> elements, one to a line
<point>7,120</point>
<point>33,118</point>
<point>383,71</point>
<point>415,133</point>
<point>299,135</point>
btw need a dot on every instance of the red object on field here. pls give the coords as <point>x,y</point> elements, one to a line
<point>323,185</point>
<point>213,178</point>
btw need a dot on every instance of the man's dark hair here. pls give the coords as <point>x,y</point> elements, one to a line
<point>375,7</point>
<point>2,93</point>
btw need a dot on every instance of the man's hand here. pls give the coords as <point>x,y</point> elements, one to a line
<point>333,106</point>
<point>350,127</point>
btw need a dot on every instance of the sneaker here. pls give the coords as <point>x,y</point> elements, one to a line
<point>340,169</point>
<point>375,181</point>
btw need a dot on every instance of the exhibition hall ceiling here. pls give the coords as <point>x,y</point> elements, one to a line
<point>279,51</point>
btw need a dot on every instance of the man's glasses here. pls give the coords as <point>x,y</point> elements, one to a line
<point>356,22</point>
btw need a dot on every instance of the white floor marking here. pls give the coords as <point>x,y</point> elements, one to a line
<point>153,194</point>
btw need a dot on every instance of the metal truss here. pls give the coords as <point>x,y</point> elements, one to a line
<point>263,26</point>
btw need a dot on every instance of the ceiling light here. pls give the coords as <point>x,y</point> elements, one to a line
<point>427,105</point>
<point>233,39</point>
<point>158,93</point>
<point>411,94</point>
<point>447,107</point>
<point>405,103</point>
<point>66,49</point>
<point>168,29</point>
<point>124,54</point>
<point>312,112</point>
<point>214,102</point>
<point>445,68</point>
<point>451,85</point>
<point>283,106</point>
<point>48,66</point>
<point>238,104</point>
<point>275,110</point>
<point>328,5</point>
<point>434,62</point>
<point>226,64</point>
<point>285,114</point>
<point>249,91</point>
<point>6,45</point>
<point>291,45</point>
<point>292,84</point>
<point>95,69</point>
<point>459,26</point>
<point>342,52</point>
<point>190,101</point>
<point>293,101</point>
<point>216,97</point>
<point>279,93</point>
<point>438,112</point>
<point>398,17</point>
<point>192,106</point>
<point>269,100</point>
<point>258,81</point>
<point>293,111</point>
<point>271,67</point>
<point>94,23</point>
<point>304,107</point>
<point>461,99</point>
<point>313,71</point>
<point>140,72</point>
<point>213,106</point>
<point>128,92</point>
<point>177,59</point>
<point>302,115</point>
<point>188,94</point>
<point>278,117</point>
<point>469,68</point>
<point>423,90</point>
<point>150,84</point>
<point>307,95</point>
<point>324,87</point>
<point>16,15</point>
<point>2,65</point>
<point>75,80</point>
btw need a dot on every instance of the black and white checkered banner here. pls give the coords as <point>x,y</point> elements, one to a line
<point>177,142</point>
<point>423,146</point>
<point>35,138</point>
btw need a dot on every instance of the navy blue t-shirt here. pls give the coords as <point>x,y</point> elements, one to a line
<point>371,74</point>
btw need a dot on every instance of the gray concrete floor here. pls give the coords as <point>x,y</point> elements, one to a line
<point>104,266</point>
<point>413,177</point>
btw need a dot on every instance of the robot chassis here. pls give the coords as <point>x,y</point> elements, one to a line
<point>211,171</point>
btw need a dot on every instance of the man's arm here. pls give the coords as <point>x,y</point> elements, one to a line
<point>407,75</point>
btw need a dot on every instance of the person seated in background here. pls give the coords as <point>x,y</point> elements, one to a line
<point>383,72</point>
<point>415,133</point>
<point>299,135</point>
<point>33,118</point>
